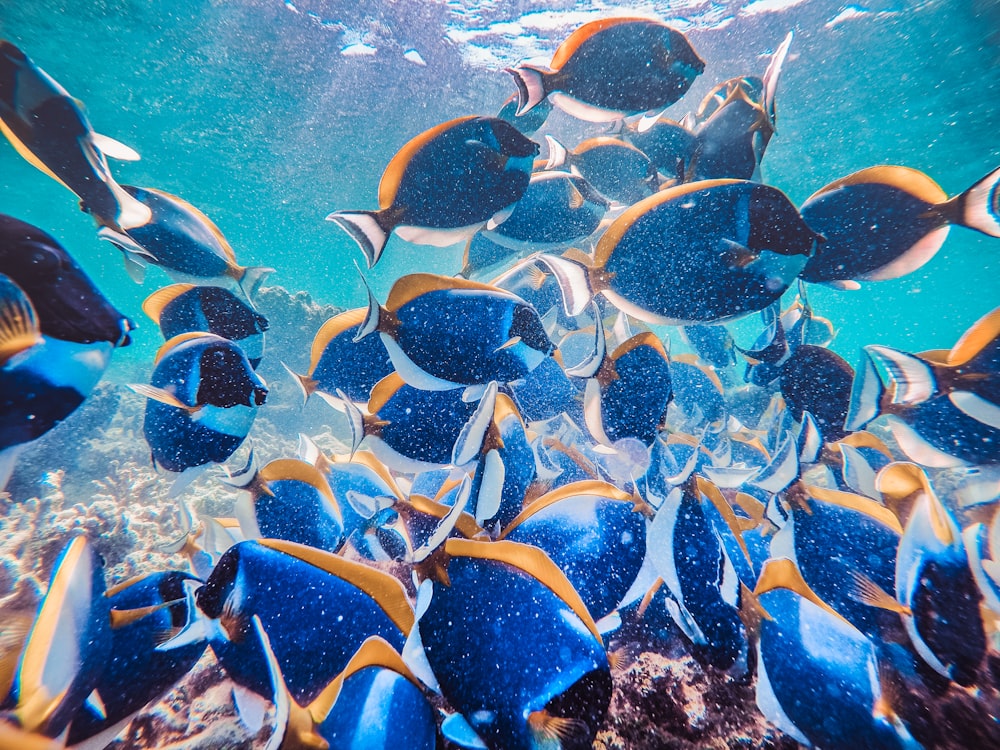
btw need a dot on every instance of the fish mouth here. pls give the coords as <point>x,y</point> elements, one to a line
<point>11,52</point>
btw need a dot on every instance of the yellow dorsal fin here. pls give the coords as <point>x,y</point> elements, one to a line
<point>153,304</point>
<point>207,222</point>
<point>176,341</point>
<point>384,390</point>
<point>300,471</point>
<point>858,503</point>
<point>782,573</point>
<point>414,285</point>
<point>718,500</point>
<point>374,652</point>
<point>863,439</point>
<point>121,618</point>
<point>330,330</point>
<point>387,591</point>
<point>982,332</point>
<point>574,489</point>
<point>532,561</point>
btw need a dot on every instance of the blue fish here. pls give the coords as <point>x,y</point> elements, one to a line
<point>443,333</point>
<point>713,344</point>
<point>885,222</point>
<point>68,647</point>
<point>443,184</point>
<point>182,241</point>
<point>818,381</point>
<point>495,598</point>
<point>49,129</point>
<point>203,398</point>
<point>317,609</point>
<point>653,66</point>
<point>339,362</point>
<point>596,535</point>
<point>617,170</point>
<point>144,611</point>
<point>668,144</point>
<point>182,308</point>
<point>528,122</point>
<point>813,665</point>
<point>292,500</point>
<point>726,247</point>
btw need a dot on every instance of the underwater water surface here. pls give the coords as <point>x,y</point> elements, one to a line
<point>268,115</point>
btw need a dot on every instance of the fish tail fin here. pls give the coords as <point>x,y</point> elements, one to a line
<point>866,395</point>
<point>250,278</point>
<point>913,379</point>
<point>370,229</point>
<point>772,74</point>
<point>530,84</point>
<point>978,207</point>
<point>306,384</point>
<point>574,282</point>
<point>557,153</point>
<point>355,420</point>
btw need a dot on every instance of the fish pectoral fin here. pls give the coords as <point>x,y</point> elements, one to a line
<point>115,149</point>
<point>163,396</point>
<point>512,341</point>
<point>735,255</point>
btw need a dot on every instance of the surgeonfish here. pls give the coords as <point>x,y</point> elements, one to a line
<point>652,65</point>
<point>885,222</point>
<point>934,582</point>
<point>942,407</point>
<point>68,303</point>
<point>724,248</point>
<point>444,184</point>
<point>202,401</point>
<point>594,532</point>
<point>292,500</point>
<point>68,646</point>
<point>629,394</point>
<point>182,308</point>
<point>443,332</point>
<point>410,429</point>
<point>182,241</point>
<point>616,169</point>
<point>668,144</point>
<point>57,335</point>
<point>340,362</point>
<point>818,381</point>
<point>507,598</point>
<point>556,210</point>
<point>713,344</point>
<point>144,611</point>
<point>49,129</point>
<point>813,665</point>
<point>317,608</point>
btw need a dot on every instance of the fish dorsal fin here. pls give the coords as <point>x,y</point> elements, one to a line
<point>858,503</point>
<point>983,331</point>
<point>374,652</point>
<point>573,42</point>
<point>530,560</point>
<point>865,439</point>
<point>646,338</point>
<point>911,181</point>
<point>19,327</point>
<point>907,484</point>
<point>718,500</point>
<point>370,461</point>
<point>299,471</point>
<point>610,239</point>
<point>153,304</point>
<point>387,591</point>
<point>388,186</point>
<point>330,330</point>
<point>384,390</point>
<point>593,487</point>
<point>782,573</point>
<point>121,618</point>
<point>414,285</point>
<point>176,341</point>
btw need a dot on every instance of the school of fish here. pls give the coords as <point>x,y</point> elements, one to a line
<point>536,464</point>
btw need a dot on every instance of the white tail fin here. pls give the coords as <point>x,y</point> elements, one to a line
<point>530,84</point>
<point>978,207</point>
<point>365,229</point>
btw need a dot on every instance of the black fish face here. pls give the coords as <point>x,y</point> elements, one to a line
<point>69,306</point>
<point>227,379</point>
<point>527,325</point>
<point>512,141</point>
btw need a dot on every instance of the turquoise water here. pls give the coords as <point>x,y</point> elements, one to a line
<point>250,111</point>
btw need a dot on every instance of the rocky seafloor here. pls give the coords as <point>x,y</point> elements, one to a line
<point>93,475</point>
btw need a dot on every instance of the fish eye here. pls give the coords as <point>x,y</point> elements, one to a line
<point>41,258</point>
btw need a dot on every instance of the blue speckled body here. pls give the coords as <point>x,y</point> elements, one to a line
<point>634,403</point>
<point>135,672</point>
<point>353,367</point>
<point>598,542</point>
<point>297,512</point>
<point>493,613</point>
<point>315,620</point>
<point>378,709</point>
